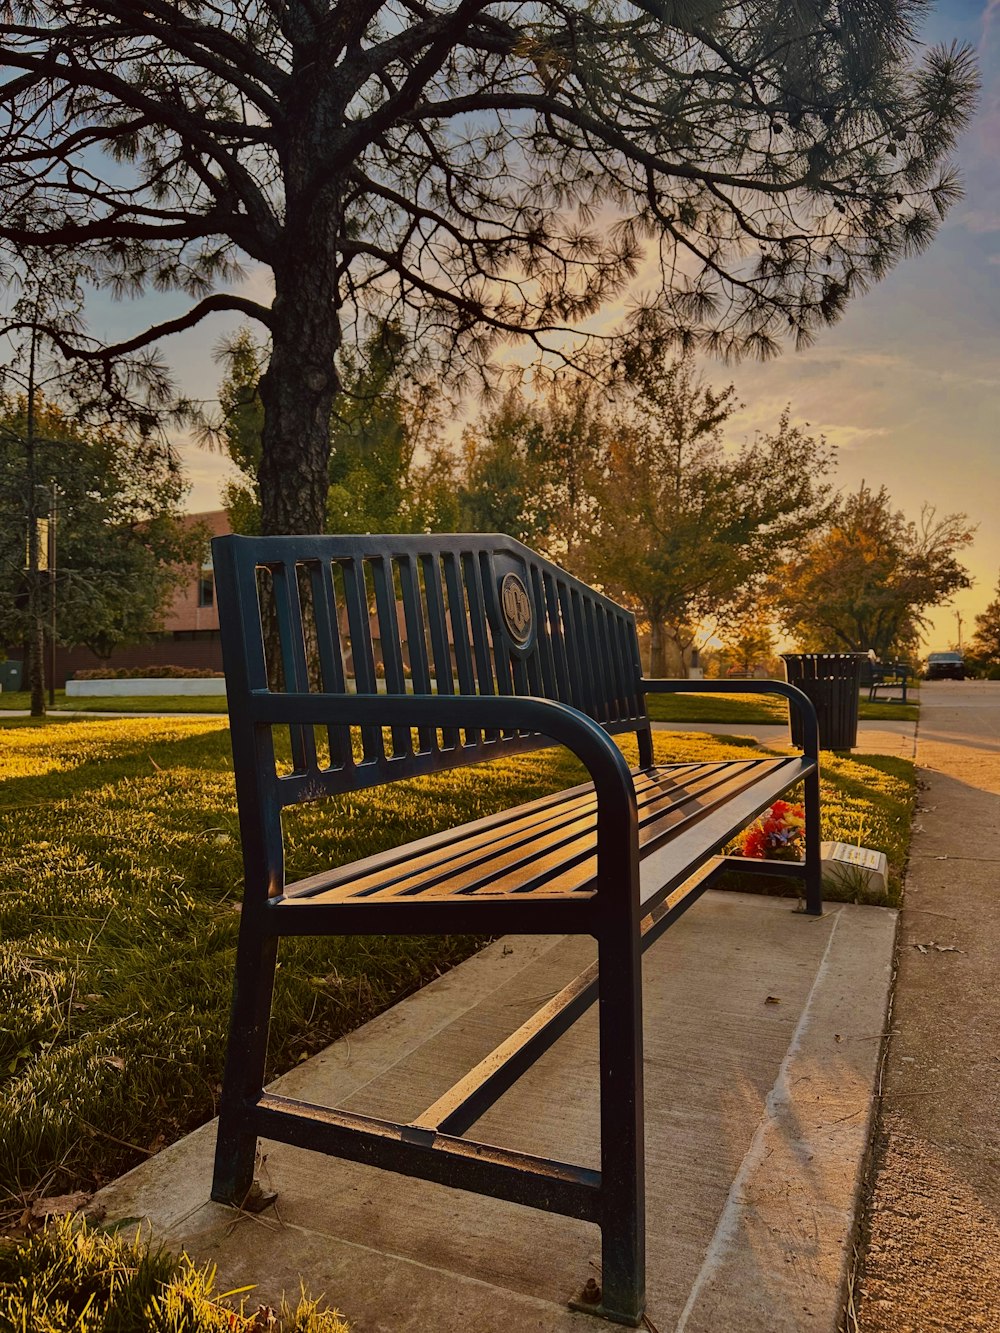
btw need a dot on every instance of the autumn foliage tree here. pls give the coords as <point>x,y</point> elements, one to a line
<point>478,170</point>
<point>865,581</point>
<point>685,529</point>
<point>986,640</point>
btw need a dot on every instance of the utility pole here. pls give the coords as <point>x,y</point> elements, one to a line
<point>53,516</point>
<point>36,618</point>
<point>958,617</point>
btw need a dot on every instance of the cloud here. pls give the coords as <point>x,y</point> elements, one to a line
<point>848,437</point>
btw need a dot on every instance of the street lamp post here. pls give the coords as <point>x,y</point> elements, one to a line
<point>53,513</point>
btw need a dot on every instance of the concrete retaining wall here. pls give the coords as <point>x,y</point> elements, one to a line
<point>153,685</point>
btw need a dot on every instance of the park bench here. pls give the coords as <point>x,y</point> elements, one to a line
<point>410,655</point>
<point>893,677</point>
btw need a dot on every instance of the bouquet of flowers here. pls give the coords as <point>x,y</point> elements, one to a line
<point>778,834</point>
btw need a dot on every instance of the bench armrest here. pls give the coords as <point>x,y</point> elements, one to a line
<point>617,828</point>
<point>795,696</point>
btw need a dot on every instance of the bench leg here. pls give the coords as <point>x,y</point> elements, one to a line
<point>243,1080</point>
<point>623,1195</point>
<point>814,858</point>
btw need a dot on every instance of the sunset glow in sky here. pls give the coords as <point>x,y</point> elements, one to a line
<point>907,384</point>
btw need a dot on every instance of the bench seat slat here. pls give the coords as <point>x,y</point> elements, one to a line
<point>549,845</point>
<point>454,864</point>
<point>421,853</point>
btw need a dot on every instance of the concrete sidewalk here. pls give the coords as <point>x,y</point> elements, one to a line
<point>763,1034</point>
<point>933,1262</point>
<point>893,738</point>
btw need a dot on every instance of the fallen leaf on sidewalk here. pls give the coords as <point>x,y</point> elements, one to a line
<point>772,999</point>
<point>938,948</point>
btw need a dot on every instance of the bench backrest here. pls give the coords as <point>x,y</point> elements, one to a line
<point>452,614</point>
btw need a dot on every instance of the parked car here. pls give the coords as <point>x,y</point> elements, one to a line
<point>945,666</point>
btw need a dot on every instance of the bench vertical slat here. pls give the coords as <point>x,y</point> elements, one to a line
<point>607,705</point>
<point>574,665</point>
<point>628,648</point>
<point>563,688</point>
<point>502,665</point>
<point>440,647</point>
<point>331,657</point>
<point>602,663</point>
<point>285,582</point>
<point>583,655</point>
<point>356,596</point>
<point>477,628</point>
<point>619,685</point>
<point>459,614</point>
<point>392,649</point>
<point>543,675</point>
<point>416,639</point>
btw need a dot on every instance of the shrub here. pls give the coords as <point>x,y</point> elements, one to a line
<point>146,673</point>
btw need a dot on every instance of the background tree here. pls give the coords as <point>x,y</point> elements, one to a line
<point>865,581</point>
<point>686,530</point>
<point>528,464</point>
<point>748,642</point>
<point>43,307</point>
<point>499,484</point>
<point>119,537</point>
<point>986,640</point>
<point>476,170</point>
<point>388,472</point>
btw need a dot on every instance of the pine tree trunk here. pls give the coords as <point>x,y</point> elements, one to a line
<point>298,391</point>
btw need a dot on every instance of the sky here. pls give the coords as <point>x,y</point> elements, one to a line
<point>907,384</point>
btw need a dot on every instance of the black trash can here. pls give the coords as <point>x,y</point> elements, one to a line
<point>833,683</point>
<point>10,675</point>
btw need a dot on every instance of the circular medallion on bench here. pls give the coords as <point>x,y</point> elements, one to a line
<point>516,606</point>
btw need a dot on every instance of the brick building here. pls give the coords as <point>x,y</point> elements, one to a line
<point>189,634</point>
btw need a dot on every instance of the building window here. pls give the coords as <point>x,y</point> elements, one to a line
<point>206,582</point>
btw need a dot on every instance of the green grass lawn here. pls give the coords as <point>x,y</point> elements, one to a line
<point>70,1278</point>
<point>11,700</point>
<point>755,710</point>
<point>120,882</point>
<point>746,709</point>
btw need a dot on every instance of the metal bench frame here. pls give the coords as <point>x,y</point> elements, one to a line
<point>506,652</point>
<point>889,676</point>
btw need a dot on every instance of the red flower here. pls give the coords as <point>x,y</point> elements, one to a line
<point>778,833</point>
<point>754,842</point>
